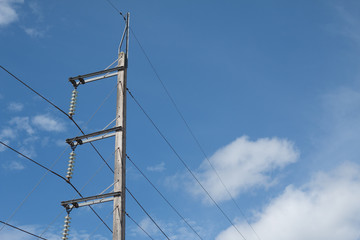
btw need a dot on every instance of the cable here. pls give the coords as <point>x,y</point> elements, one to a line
<point>147,214</point>
<point>191,132</point>
<point>176,211</point>
<point>34,91</point>
<point>82,188</point>
<point>97,227</point>
<point>33,161</point>
<point>101,105</point>
<point>22,230</point>
<point>185,165</point>
<point>138,225</point>
<point>51,223</point>
<point>56,174</point>
<point>116,9</point>
<point>60,111</point>
<point>28,195</point>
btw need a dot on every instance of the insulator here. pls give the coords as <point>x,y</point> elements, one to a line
<point>73,103</point>
<point>70,165</point>
<point>66,227</point>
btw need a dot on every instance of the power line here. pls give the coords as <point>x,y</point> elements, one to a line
<point>185,165</point>
<point>34,91</point>
<point>82,188</point>
<point>116,9</point>
<point>20,229</point>
<point>138,225</point>
<point>147,214</point>
<point>33,161</point>
<point>58,175</point>
<point>28,195</point>
<point>167,201</point>
<point>60,111</point>
<point>191,132</point>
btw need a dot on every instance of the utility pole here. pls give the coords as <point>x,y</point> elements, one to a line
<point>120,145</point>
<point>119,131</point>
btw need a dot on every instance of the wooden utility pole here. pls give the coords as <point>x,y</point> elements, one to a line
<point>119,131</point>
<point>120,146</point>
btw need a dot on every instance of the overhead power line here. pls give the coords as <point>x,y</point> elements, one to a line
<point>190,131</point>
<point>127,214</point>
<point>167,201</point>
<point>58,175</point>
<point>157,225</point>
<point>34,188</point>
<point>116,9</point>
<point>47,100</point>
<point>22,230</point>
<point>58,108</point>
<point>184,163</point>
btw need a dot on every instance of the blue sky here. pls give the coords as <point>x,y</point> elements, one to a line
<point>269,88</point>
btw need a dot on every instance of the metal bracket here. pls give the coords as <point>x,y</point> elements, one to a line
<point>104,134</point>
<point>107,73</point>
<point>80,202</point>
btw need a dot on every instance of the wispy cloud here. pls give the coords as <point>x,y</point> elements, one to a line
<point>34,32</point>
<point>244,164</point>
<point>22,124</point>
<point>7,133</point>
<point>339,129</point>
<point>15,107</point>
<point>157,168</point>
<point>36,9</point>
<point>349,24</point>
<point>327,207</point>
<point>48,123</point>
<point>8,12</point>
<point>13,165</point>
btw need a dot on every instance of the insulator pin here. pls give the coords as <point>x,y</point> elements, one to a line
<point>70,166</point>
<point>66,227</point>
<point>73,102</point>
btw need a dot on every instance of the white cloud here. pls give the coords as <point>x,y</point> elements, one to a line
<point>22,123</point>
<point>36,9</point>
<point>351,23</point>
<point>326,208</point>
<point>14,165</point>
<point>47,123</point>
<point>7,133</point>
<point>2,147</point>
<point>339,130</point>
<point>8,13</point>
<point>34,33</point>
<point>157,168</point>
<point>15,107</point>
<point>244,164</point>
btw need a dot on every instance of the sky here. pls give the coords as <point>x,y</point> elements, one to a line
<point>269,89</point>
